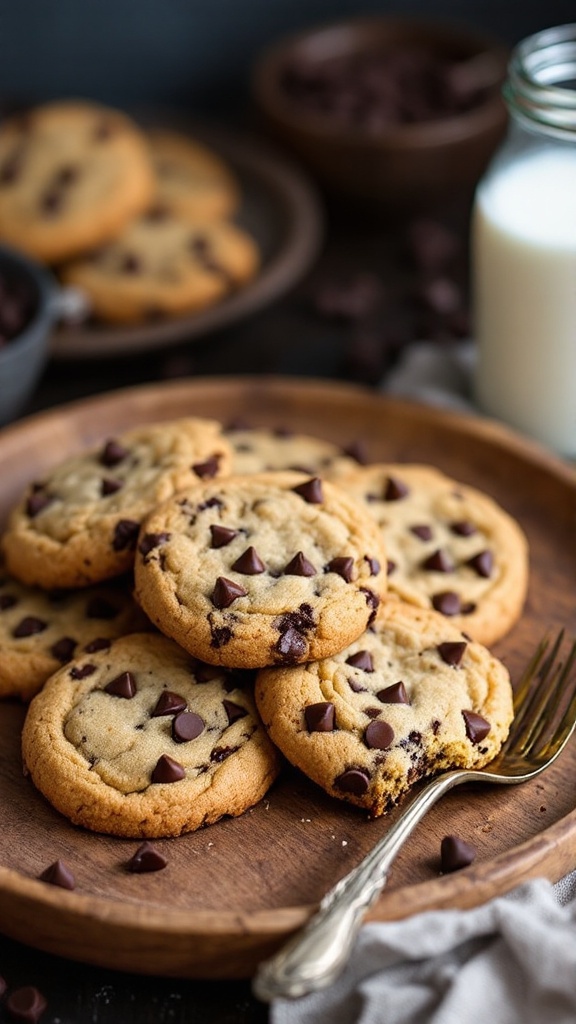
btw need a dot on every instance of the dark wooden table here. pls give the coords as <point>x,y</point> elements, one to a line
<point>301,335</point>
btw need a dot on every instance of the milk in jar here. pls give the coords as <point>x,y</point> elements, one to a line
<point>524,259</point>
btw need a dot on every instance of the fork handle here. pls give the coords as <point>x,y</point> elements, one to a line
<point>317,953</point>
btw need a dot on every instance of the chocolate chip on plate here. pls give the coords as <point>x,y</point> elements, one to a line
<point>59,874</point>
<point>455,853</point>
<point>146,858</point>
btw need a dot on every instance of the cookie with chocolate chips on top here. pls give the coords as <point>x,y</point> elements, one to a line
<point>164,264</point>
<point>450,546</point>
<point>41,630</point>
<point>140,740</point>
<point>410,698</point>
<point>191,176</point>
<point>260,449</point>
<point>273,568</point>
<point>79,523</point>
<point>72,174</point>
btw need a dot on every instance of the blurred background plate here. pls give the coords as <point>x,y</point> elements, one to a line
<point>280,208</point>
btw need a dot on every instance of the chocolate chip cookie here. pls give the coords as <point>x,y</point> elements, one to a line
<point>140,740</point>
<point>257,450</point>
<point>191,177</point>
<point>450,547</point>
<point>42,630</point>
<point>164,264</point>
<point>79,523</point>
<point>72,174</point>
<point>274,568</point>
<point>410,698</point>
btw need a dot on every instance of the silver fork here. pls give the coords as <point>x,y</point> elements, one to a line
<point>544,720</point>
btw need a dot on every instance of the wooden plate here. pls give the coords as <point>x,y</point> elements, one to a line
<point>232,892</point>
<point>280,209</point>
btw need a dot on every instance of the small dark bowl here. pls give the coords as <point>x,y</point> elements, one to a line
<point>401,167</point>
<point>23,356</point>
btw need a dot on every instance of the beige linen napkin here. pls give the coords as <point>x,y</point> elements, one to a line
<point>510,961</point>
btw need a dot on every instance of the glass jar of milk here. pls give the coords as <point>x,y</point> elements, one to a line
<point>523,249</point>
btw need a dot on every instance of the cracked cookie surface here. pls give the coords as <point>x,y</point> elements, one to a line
<point>410,698</point>
<point>450,546</point>
<point>274,568</point>
<point>143,741</point>
<point>79,523</point>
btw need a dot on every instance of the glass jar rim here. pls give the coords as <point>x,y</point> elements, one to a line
<point>537,68</point>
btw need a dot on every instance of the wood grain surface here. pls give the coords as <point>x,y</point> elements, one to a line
<point>232,892</point>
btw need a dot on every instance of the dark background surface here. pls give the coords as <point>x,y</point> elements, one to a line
<point>197,56</point>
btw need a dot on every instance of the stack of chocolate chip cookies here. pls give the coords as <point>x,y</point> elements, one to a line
<point>280,601</point>
<point>141,222</point>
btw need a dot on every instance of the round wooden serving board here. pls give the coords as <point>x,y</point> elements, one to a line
<point>232,892</point>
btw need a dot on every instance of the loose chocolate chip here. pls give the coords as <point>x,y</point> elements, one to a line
<point>58,874</point>
<point>110,486</point>
<point>100,643</point>
<point>447,602</point>
<point>7,601</point>
<point>125,534</point>
<point>123,685</point>
<point>167,770</point>
<point>152,540</point>
<point>378,735</point>
<point>463,528</point>
<point>343,566</point>
<point>452,651</point>
<point>225,592</point>
<point>353,780</point>
<point>291,647</point>
<point>395,489</point>
<point>482,563</point>
<point>37,502</point>
<point>208,469</point>
<point>311,491</point>
<point>187,726</point>
<point>233,711</point>
<point>373,565</point>
<point>221,535</point>
<point>99,607</point>
<point>26,1004</point>
<point>249,563</point>
<point>299,566</point>
<point>423,531</point>
<point>147,858</point>
<point>63,649</point>
<point>168,703</point>
<point>82,671</point>
<point>438,561</point>
<point>113,453</point>
<point>29,626</point>
<point>476,726</point>
<point>394,694</point>
<point>319,717</point>
<point>362,659</point>
<point>455,853</point>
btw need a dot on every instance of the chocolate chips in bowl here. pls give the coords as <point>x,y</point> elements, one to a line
<point>27,313</point>
<point>401,112</point>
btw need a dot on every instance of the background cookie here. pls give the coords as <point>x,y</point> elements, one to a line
<point>164,264</point>
<point>79,524</point>
<point>409,698</point>
<point>258,450</point>
<point>191,177</point>
<point>41,630</point>
<point>139,741</point>
<point>72,174</point>
<point>450,547</point>
<point>258,570</point>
